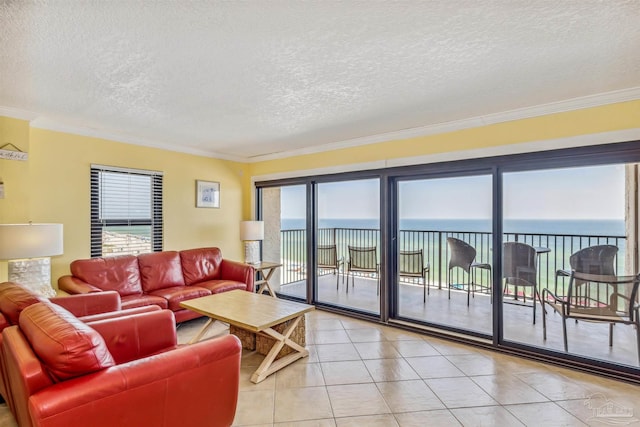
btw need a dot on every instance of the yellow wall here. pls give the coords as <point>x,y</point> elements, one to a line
<point>14,173</point>
<point>53,186</point>
<point>624,115</point>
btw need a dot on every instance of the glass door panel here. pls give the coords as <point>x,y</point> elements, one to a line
<point>443,223</point>
<point>560,220</point>
<point>349,244</point>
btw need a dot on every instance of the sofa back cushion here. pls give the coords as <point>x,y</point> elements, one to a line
<point>13,299</point>
<point>160,270</point>
<point>67,347</point>
<point>201,264</point>
<point>120,273</point>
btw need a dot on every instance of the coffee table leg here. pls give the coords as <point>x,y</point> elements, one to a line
<point>202,331</point>
<point>270,365</point>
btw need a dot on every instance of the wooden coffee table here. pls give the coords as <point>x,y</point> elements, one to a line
<point>258,314</point>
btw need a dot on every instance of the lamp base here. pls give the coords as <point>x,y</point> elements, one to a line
<point>252,252</point>
<point>33,274</point>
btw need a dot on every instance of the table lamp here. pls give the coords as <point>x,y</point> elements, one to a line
<point>251,232</point>
<point>27,248</point>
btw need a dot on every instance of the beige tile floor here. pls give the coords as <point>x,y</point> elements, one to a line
<point>585,338</point>
<point>364,374</point>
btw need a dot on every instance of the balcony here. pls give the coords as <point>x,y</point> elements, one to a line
<point>585,339</point>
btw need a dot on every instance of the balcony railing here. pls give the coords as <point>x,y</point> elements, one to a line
<point>436,253</point>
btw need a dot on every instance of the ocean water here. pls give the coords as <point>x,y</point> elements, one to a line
<point>562,237</point>
<point>599,227</point>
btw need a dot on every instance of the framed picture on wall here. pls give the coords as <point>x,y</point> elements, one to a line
<point>207,194</point>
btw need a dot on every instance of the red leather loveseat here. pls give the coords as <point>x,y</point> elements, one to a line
<point>161,278</point>
<point>124,371</point>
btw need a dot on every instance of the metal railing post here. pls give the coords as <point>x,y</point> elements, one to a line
<point>439,260</point>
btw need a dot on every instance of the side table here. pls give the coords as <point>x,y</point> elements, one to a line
<point>266,270</point>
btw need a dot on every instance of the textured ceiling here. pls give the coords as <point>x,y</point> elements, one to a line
<point>251,78</point>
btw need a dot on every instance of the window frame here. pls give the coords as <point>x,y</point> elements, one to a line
<point>155,221</point>
<point>614,152</point>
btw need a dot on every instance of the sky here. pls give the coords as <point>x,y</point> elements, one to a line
<point>595,192</point>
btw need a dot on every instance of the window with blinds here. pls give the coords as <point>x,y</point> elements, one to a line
<point>126,211</point>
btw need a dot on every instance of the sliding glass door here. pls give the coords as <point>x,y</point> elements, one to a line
<point>556,221</point>
<point>349,227</point>
<point>444,252</point>
<point>474,248</point>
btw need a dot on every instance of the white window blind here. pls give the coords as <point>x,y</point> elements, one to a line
<point>126,211</point>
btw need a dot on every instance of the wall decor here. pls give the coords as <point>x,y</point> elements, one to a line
<point>15,154</point>
<point>207,194</point>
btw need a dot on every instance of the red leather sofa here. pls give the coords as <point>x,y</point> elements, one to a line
<point>161,278</point>
<point>123,371</point>
<point>88,307</point>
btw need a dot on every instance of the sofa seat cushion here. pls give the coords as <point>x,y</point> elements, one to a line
<point>132,301</point>
<point>199,265</point>
<point>13,299</point>
<point>217,286</point>
<point>67,346</point>
<point>119,273</point>
<point>177,294</point>
<point>160,270</point>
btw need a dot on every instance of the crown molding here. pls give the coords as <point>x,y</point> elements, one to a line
<point>624,95</point>
<point>41,122</point>
<point>612,137</point>
<point>47,124</point>
<point>351,167</point>
<point>16,113</point>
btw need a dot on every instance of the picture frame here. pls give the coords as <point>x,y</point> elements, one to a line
<point>207,194</point>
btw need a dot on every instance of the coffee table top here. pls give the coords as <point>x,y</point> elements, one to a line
<point>247,310</point>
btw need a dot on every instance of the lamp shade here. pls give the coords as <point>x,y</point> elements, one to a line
<point>19,241</point>
<point>251,230</point>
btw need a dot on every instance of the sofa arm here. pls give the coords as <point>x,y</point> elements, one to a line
<point>139,335</point>
<point>190,386</point>
<point>119,313</point>
<point>87,304</point>
<point>240,272</point>
<point>73,285</point>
